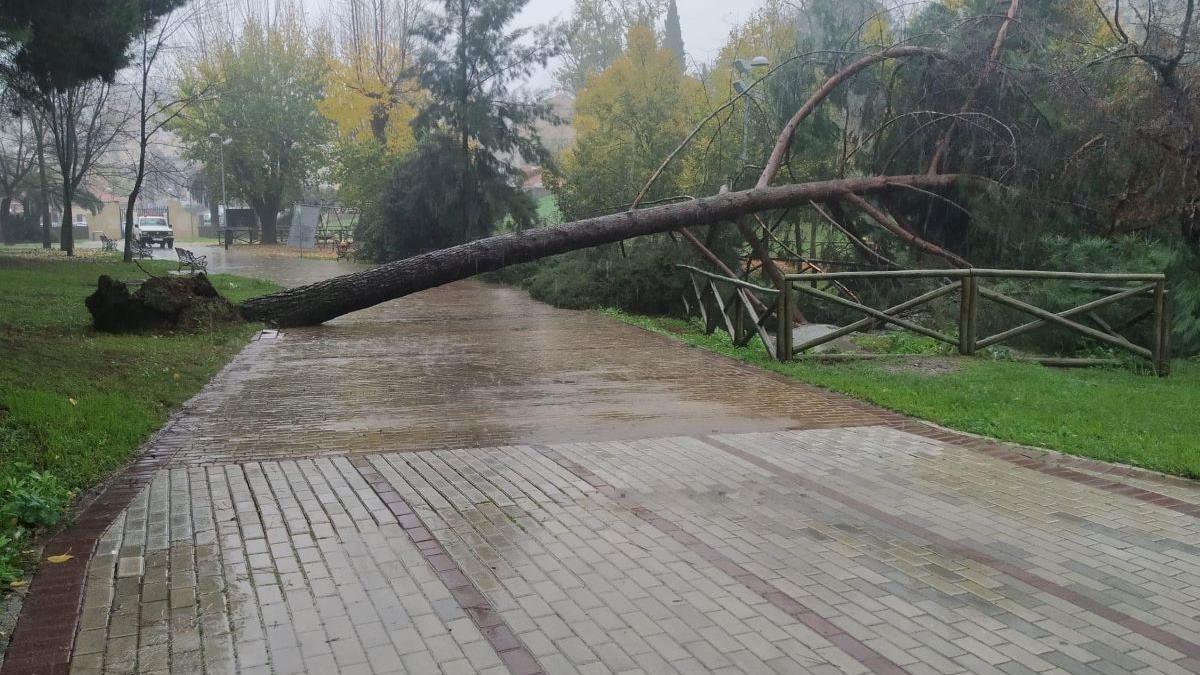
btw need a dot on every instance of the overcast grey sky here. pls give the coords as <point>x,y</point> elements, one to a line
<point>705,23</point>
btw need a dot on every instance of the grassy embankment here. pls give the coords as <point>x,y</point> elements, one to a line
<point>76,404</point>
<point>1112,414</point>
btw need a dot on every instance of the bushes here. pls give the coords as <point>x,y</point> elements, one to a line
<point>1121,254</point>
<point>26,227</point>
<point>644,281</point>
<point>29,500</point>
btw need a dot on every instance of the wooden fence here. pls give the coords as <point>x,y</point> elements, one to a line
<point>726,303</point>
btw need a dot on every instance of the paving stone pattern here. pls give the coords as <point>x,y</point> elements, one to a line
<point>470,482</point>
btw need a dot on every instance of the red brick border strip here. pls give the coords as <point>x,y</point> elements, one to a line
<point>44,637</point>
<point>859,651</point>
<point>998,450</point>
<point>516,657</point>
<point>1076,598</point>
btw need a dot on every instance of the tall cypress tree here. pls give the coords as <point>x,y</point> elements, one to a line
<point>673,39</point>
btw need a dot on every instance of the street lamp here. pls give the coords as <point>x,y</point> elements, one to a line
<point>745,70</point>
<point>221,143</point>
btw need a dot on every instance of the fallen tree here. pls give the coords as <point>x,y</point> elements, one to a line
<point>325,300</point>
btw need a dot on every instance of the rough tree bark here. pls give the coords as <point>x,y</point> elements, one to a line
<point>325,300</point>
<point>5,205</point>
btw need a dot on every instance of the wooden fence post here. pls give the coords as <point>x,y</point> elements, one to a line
<point>735,306</point>
<point>968,315</point>
<point>783,315</point>
<point>711,321</point>
<point>1162,330</point>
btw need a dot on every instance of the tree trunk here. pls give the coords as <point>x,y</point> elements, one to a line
<point>45,188</point>
<point>380,116</point>
<point>268,218</point>
<point>66,238</point>
<point>46,244</point>
<point>214,214</point>
<point>130,204</point>
<point>5,205</point>
<point>325,300</point>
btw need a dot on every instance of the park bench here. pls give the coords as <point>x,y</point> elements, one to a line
<point>140,249</point>
<point>191,261</point>
<point>106,243</point>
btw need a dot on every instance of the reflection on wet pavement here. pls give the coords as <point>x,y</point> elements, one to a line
<point>474,364</point>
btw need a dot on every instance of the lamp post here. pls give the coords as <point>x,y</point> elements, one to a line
<point>221,143</point>
<point>743,70</point>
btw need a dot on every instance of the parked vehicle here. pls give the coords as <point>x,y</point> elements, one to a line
<point>151,230</point>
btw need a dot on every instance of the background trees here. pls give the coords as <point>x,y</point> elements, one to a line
<point>372,89</point>
<point>627,118</point>
<point>82,125</point>
<point>256,99</point>
<point>20,141</point>
<point>596,34</point>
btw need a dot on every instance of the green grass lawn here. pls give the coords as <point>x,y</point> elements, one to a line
<point>1113,414</point>
<point>76,404</point>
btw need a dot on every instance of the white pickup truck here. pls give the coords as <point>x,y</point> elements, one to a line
<point>152,230</point>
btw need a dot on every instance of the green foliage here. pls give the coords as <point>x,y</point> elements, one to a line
<point>31,499</point>
<point>75,404</point>
<point>362,172</point>
<point>902,342</point>
<point>473,59</point>
<point>10,557</point>
<point>673,34</point>
<point>259,92</point>
<point>418,213</point>
<point>459,183</point>
<point>644,280</point>
<point>60,43</point>
<point>1114,415</point>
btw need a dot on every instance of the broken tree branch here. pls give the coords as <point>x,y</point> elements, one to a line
<point>888,223</point>
<point>789,130</point>
<point>854,238</point>
<point>988,67</point>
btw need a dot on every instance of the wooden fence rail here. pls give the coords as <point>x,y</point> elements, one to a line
<point>730,311</point>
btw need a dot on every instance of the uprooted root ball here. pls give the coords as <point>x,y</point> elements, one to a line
<point>183,303</point>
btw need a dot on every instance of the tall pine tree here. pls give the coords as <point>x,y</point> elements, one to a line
<point>461,181</point>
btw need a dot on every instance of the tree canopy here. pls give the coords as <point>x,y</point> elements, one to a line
<point>57,44</point>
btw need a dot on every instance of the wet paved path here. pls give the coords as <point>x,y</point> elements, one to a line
<point>469,481</point>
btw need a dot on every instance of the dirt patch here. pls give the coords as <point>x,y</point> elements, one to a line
<point>925,366</point>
